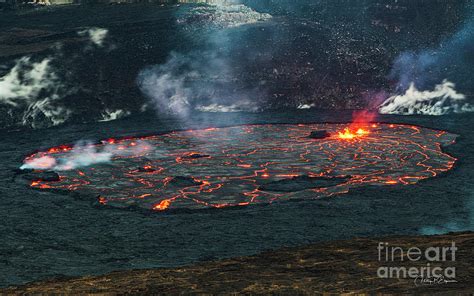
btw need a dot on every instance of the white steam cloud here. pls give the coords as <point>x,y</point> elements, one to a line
<point>109,115</point>
<point>26,80</point>
<point>96,35</point>
<point>85,154</point>
<point>203,80</point>
<point>165,85</point>
<point>305,106</point>
<point>443,99</point>
<point>35,88</point>
<point>197,81</point>
<point>240,107</point>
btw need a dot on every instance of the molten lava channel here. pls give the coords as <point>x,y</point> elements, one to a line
<point>242,165</point>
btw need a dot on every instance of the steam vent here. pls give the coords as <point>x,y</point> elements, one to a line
<point>243,165</point>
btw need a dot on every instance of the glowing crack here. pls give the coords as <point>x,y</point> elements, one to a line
<point>242,165</point>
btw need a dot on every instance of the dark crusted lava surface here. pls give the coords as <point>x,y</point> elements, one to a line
<point>48,234</point>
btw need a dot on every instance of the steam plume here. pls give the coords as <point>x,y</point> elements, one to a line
<point>442,100</point>
<point>416,72</point>
<point>34,87</point>
<point>427,67</point>
<point>96,35</point>
<point>203,80</point>
<point>85,154</point>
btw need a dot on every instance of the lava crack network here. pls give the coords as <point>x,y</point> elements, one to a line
<point>244,165</point>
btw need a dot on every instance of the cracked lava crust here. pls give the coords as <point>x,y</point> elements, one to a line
<point>242,165</point>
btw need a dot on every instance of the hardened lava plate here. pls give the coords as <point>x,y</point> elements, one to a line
<point>243,165</point>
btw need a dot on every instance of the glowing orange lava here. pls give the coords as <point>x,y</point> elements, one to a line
<point>348,135</point>
<point>222,167</point>
<point>163,205</point>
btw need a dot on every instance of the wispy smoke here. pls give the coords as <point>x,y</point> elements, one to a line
<point>36,88</point>
<point>442,100</point>
<point>26,80</point>
<point>196,81</point>
<point>427,67</point>
<point>418,71</point>
<point>461,222</point>
<point>33,89</point>
<point>242,106</point>
<point>165,85</point>
<point>96,35</point>
<point>306,106</point>
<point>109,115</point>
<point>85,154</point>
<point>203,80</point>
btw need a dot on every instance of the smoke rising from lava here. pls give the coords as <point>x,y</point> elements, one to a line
<point>203,80</point>
<point>417,72</point>
<point>442,100</point>
<point>85,154</point>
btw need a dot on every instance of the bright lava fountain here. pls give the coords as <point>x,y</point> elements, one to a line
<point>242,165</point>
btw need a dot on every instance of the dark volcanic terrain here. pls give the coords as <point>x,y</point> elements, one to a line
<point>334,267</point>
<point>86,73</point>
<point>66,234</point>
<point>325,54</point>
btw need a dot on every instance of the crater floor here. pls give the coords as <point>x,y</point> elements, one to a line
<point>242,165</point>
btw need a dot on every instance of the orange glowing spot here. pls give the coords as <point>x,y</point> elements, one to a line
<point>163,205</point>
<point>81,173</point>
<point>35,183</point>
<point>133,144</point>
<point>144,195</point>
<point>346,134</point>
<point>244,165</point>
<point>392,126</point>
<point>362,131</point>
<point>287,175</point>
<point>265,175</point>
<point>374,125</point>
<point>111,141</point>
<point>102,200</point>
<point>391,182</point>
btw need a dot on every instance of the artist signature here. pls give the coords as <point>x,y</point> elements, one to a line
<point>438,280</point>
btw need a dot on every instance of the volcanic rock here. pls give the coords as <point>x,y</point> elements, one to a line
<point>195,156</point>
<point>319,135</point>
<point>302,183</point>
<point>35,175</point>
<point>182,181</point>
<point>146,169</point>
